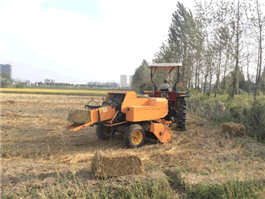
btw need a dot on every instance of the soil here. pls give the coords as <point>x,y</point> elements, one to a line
<point>37,148</point>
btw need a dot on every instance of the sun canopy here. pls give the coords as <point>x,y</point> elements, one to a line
<point>165,66</point>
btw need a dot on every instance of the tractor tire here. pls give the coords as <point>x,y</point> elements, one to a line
<point>105,134</point>
<point>134,136</point>
<point>181,114</point>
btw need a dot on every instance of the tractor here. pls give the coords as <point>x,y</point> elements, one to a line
<point>176,99</point>
<point>135,116</point>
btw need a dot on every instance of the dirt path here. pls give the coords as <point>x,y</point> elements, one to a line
<point>37,149</point>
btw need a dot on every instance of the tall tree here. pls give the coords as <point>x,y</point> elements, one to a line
<point>258,22</point>
<point>140,75</point>
<point>180,37</point>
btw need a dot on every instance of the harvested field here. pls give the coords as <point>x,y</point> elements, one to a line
<point>37,150</point>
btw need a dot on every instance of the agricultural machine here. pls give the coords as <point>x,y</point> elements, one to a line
<point>136,116</point>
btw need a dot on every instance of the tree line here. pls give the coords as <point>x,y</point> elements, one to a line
<point>220,45</point>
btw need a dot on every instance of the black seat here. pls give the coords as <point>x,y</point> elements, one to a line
<point>166,89</point>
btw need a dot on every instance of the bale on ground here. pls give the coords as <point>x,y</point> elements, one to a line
<point>105,166</point>
<point>234,129</point>
<point>11,101</point>
<point>79,116</point>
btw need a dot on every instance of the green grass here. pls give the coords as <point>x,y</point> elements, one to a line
<point>233,189</point>
<point>151,189</point>
<point>73,187</point>
<point>54,91</point>
<point>240,110</point>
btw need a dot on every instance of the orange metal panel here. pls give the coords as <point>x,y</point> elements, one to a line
<point>106,113</point>
<point>162,133</point>
<point>145,113</point>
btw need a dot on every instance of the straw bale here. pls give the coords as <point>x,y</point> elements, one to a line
<point>11,101</point>
<point>79,116</point>
<point>2,102</point>
<point>107,165</point>
<point>234,129</point>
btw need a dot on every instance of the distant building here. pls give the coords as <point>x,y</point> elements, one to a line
<point>107,84</point>
<point>112,84</point>
<point>123,80</point>
<point>49,81</point>
<point>6,68</point>
<point>130,80</point>
<point>18,80</point>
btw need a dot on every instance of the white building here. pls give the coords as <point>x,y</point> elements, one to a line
<point>130,80</point>
<point>123,80</point>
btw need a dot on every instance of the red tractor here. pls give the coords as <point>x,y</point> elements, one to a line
<point>176,99</point>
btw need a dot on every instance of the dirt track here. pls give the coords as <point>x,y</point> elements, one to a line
<point>36,147</point>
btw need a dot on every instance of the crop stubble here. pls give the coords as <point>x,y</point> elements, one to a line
<point>37,147</point>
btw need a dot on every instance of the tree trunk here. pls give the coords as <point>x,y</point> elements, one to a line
<point>210,87</point>
<point>217,84</point>
<point>237,53</point>
<point>259,54</point>
<point>205,81</point>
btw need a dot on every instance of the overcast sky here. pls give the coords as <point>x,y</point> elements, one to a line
<point>80,41</point>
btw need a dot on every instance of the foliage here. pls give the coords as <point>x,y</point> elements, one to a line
<point>243,109</point>
<point>5,80</point>
<point>140,76</point>
<point>231,189</point>
<point>19,85</point>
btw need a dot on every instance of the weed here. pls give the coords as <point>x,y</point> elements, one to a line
<point>231,189</point>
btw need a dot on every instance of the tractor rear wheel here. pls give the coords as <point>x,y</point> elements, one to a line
<point>181,114</point>
<point>105,134</point>
<point>134,136</point>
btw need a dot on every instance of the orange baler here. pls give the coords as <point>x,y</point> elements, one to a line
<point>125,112</point>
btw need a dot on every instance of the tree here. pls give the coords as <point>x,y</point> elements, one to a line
<point>180,38</point>
<point>258,22</point>
<point>5,80</point>
<point>140,75</point>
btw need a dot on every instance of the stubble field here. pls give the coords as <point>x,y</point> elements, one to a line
<point>37,150</point>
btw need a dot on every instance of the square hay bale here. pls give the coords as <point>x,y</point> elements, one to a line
<point>79,116</point>
<point>234,129</point>
<point>11,101</point>
<point>111,165</point>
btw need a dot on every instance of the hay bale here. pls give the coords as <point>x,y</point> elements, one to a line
<point>234,129</point>
<point>104,166</point>
<point>3,102</point>
<point>11,101</point>
<point>79,116</point>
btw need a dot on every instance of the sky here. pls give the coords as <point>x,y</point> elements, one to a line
<point>80,41</point>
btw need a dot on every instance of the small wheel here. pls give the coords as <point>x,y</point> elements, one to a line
<point>105,134</point>
<point>134,136</point>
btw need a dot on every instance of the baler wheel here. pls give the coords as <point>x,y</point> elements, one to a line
<point>105,134</point>
<point>134,136</point>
